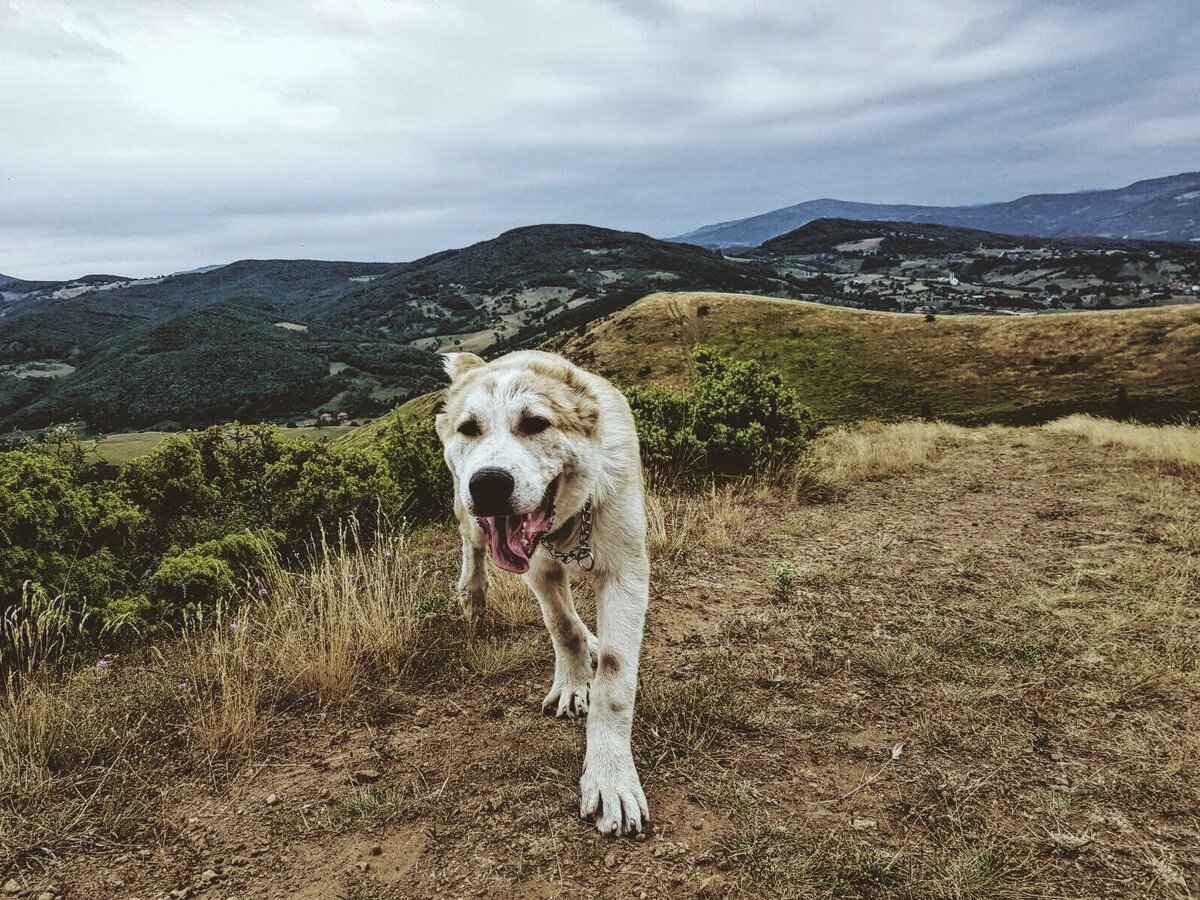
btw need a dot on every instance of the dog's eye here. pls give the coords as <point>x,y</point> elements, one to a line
<point>469,428</point>
<point>533,424</point>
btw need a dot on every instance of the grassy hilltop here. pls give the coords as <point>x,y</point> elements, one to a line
<point>852,365</point>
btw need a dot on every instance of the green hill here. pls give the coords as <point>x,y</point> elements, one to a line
<point>530,282</point>
<point>67,319</point>
<point>851,364</point>
<point>220,363</point>
<point>828,235</point>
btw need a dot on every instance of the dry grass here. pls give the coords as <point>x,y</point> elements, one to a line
<point>872,450</point>
<point>351,618</point>
<point>715,519</point>
<point>1174,446</point>
<point>495,658</point>
<point>66,780</point>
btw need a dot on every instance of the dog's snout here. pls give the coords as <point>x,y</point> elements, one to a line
<point>492,490</point>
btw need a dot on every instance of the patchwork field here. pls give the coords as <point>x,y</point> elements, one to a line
<point>935,663</point>
<point>119,449</point>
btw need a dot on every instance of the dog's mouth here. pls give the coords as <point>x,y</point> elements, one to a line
<point>513,539</point>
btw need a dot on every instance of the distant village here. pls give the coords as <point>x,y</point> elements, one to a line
<point>1010,282</point>
<point>327,419</point>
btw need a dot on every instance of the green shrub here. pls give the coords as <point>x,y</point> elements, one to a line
<point>665,421</point>
<point>738,418</point>
<point>197,577</point>
<point>198,513</point>
<point>62,529</point>
<point>192,579</point>
<point>413,453</point>
<point>785,577</point>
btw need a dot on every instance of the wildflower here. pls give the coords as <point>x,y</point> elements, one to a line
<point>262,592</point>
<point>388,554</point>
<point>183,687</point>
<point>101,664</point>
<point>233,626</point>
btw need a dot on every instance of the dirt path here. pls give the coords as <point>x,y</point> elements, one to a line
<point>976,680</point>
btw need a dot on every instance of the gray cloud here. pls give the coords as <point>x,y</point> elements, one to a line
<point>148,137</point>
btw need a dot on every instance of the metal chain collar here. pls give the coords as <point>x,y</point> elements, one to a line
<point>582,553</point>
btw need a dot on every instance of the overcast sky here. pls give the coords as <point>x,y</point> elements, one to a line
<point>148,137</point>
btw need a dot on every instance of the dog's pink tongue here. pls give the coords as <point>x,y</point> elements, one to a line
<point>513,539</point>
<point>505,536</point>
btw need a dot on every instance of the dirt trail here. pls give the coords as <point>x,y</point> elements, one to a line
<point>948,694</point>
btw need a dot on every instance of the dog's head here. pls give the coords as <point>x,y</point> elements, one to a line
<point>519,435</point>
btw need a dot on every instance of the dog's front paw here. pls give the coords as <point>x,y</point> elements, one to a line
<point>611,795</point>
<point>568,697</point>
<point>474,604</point>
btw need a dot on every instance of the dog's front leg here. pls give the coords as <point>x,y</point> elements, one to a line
<point>611,792</point>
<point>472,583</point>
<point>572,641</point>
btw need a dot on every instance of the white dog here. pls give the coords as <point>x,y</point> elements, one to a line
<point>548,477</point>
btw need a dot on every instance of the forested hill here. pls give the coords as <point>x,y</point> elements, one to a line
<point>515,283</point>
<point>266,339</point>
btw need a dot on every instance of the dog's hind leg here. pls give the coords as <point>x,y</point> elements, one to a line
<point>568,695</point>
<point>611,791</point>
<point>472,583</point>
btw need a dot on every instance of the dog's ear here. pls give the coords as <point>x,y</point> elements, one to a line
<point>458,364</point>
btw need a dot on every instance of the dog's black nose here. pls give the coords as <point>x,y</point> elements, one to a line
<point>491,489</point>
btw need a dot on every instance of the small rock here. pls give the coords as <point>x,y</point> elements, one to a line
<point>12,886</point>
<point>362,866</point>
<point>862,824</point>
<point>365,776</point>
<point>1070,842</point>
<point>271,799</point>
<point>46,895</point>
<point>181,893</point>
<point>712,886</point>
<point>145,854</point>
<point>208,876</point>
<point>610,860</point>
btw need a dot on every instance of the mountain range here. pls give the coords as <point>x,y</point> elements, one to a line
<point>1159,209</point>
<point>280,338</point>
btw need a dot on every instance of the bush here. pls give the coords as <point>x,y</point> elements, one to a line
<point>183,526</point>
<point>665,421</point>
<point>738,418</point>
<point>198,577</point>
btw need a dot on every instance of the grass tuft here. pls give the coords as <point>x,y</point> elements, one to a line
<point>1175,447</point>
<point>875,450</point>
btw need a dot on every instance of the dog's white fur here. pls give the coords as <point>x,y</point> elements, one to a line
<point>592,444</point>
